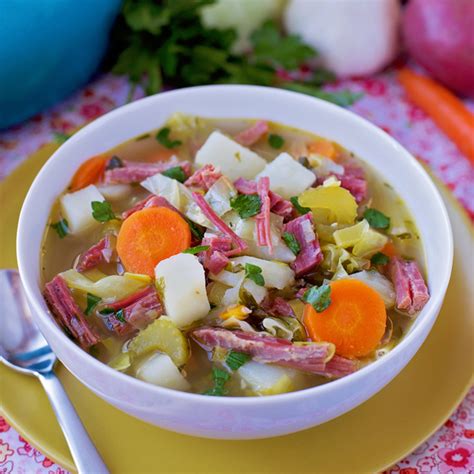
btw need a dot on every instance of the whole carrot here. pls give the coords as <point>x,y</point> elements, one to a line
<point>446,110</point>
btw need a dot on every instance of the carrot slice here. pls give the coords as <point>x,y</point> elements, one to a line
<point>149,236</point>
<point>446,110</point>
<point>389,249</point>
<point>323,147</point>
<point>354,321</point>
<point>89,172</point>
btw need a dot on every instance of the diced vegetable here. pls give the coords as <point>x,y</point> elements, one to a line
<point>285,327</point>
<point>90,172</point>
<point>160,370</point>
<point>238,312</point>
<point>161,335</point>
<point>110,288</point>
<point>354,321</point>
<point>349,236</point>
<point>339,204</point>
<point>76,208</point>
<point>114,192</point>
<point>264,379</point>
<point>182,284</point>
<point>220,195</point>
<point>234,160</point>
<point>168,188</point>
<point>149,236</point>
<point>257,292</point>
<point>370,243</point>
<point>275,274</point>
<point>121,361</point>
<point>287,177</point>
<point>383,286</point>
<point>338,260</point>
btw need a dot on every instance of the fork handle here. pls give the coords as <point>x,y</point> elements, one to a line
<point>84,453</point>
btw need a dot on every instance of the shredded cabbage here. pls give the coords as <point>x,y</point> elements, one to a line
<point>285,327</point>
<point>219,195</point>
<point>383,286</point>
<point>339,261</point>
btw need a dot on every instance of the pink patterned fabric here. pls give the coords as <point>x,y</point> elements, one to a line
<point>451,449</point>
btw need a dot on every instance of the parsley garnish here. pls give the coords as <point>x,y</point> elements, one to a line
<point>254,273</point>
<point>197,249</point>
<point>275,141</point>
<point>92,302</point>
<point>235,360</point>
<point>110,311</point>
<point>197,230</point>
<point>379,259</point>
<point>176,172</point>
<point>119,316</point>
<point>106,311</point>
<point>163,137</point>
<point>377,219</point>
<point>298,206</point>
<point>102,211</point>
<point>292,242</point>
<point>220,377</point>
<point>246,205</point>
<point>61,228</point>
<point>114,162</point>
<point>318,298</point>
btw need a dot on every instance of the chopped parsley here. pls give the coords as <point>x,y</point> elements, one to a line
<point>220,378</point>
<point>292,242</point>
<point>163,137</point>
<point>302,210</point>
<point>377,219</point>
<point>176,172</point>
<point>197,249</point>
<point>61,228</point>
<point>110,311</point>
<point>246,205</point>
<point>114,162</point>
<point>197,230</point>
<point>92,302</point>
<point>235,360</point>
<point>318,297</point>
<point>102,211</point>
<point>275,141</point>
<point>106,311</point>
<point>379,259</point>
<point>119,316</point>
<point>254,273</point>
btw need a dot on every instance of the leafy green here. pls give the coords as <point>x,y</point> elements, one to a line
<point>235,360</point>
<point>301,209</point>
<point>254,273</point>
<point>176,172</point>
<point>119,316</point>
<point>275,141</point>
<point>197,230</point>
<point>110,311</point>
<point>166,43</point>
<point>163,137</point>
<point>318,297</point>
<point>92,302</point>
<point>197,249</point>
<point>61,228</point>
<point>220,378</point>
<point>246,205</point>
<point>102,211</point>
<point>292,242</point>
<point>106,311</point>
<point>377,219</point>
<point>379,259</point>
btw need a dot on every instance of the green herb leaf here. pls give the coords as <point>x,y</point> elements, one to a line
<point>119,316</point>
<point>61,228</point>
<point>197,249</point>
<point>302,210</point>
<point>102,211</point>
<point>254,273</point>
<point>197,230</point>
<point>292,242</point>
<point>176,172</point>
<point>377,219</point>
<point>163,137</point>
<point>379,259</point>
<point>92,302</point>
<point>343,98</point>
<point>276,141</point>
<point>246,205</point>
<point>318,298</point>
<point>220,378</point>
<point>114,162</point>
<point>106,311</point>
<point>235,360</point>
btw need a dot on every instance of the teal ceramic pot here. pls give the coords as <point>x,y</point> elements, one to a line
<point>48,48</point>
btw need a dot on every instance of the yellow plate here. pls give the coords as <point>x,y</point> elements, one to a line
<point>370,438</point>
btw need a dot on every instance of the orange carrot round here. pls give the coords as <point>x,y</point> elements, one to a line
<point>89,172</point>
<point>149,236</point>
<point>354,321</point>
<point>323,147</point>
<point>389,249</point>
<point>446,110</point>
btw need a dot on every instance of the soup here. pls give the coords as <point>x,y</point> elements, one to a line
<point>232,258</point>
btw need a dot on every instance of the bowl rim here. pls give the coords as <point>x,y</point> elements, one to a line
<point>31,285</point>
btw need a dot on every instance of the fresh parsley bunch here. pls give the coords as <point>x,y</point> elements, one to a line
<point>163,42</point>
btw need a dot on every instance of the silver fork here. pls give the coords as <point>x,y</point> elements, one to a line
<point>24,349</point>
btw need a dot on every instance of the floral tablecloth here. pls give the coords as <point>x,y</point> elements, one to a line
<point>451,449</point>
